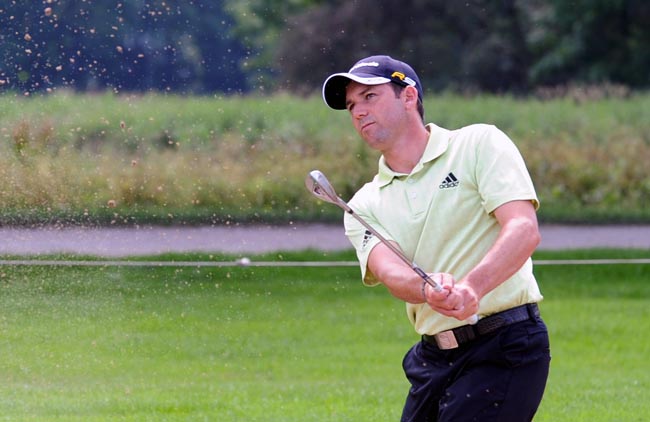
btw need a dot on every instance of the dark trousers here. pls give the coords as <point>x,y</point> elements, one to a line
<point>497,377</point>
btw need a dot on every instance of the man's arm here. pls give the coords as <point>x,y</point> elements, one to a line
<point>517,240</point>
<point>405,284</point>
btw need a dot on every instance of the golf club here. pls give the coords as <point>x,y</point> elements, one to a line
<point>320,187</point>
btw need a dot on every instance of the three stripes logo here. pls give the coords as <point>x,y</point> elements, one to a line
<point>450,182</point>
<point>366,237</point>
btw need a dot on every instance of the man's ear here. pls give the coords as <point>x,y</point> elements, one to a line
<point>411,96</point>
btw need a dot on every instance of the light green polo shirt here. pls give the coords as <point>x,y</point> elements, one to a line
<point>441,214</point>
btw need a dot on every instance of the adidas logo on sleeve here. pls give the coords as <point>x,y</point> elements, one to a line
<point>366,238</point>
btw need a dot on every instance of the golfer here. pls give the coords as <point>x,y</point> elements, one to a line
<point>462,205</point>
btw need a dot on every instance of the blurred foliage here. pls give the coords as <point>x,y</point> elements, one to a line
<point>139,45</point>
<point>168,159</point>
<point>235,46</point>
<point>259,25</point>
<point>593,41</point>
<point>512,46</point>
<point>452,45</point>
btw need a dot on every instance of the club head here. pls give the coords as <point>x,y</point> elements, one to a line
<point>320,187</point>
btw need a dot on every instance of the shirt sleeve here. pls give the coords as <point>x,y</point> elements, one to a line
<point>362,239</point>
<point>501,172</point>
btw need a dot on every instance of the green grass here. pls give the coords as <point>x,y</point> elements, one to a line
<point>283,344</point>
<point>597,316</point>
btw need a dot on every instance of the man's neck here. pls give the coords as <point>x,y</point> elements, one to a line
<point>407,152</point>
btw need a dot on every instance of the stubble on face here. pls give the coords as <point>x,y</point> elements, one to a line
<point>375,113</point>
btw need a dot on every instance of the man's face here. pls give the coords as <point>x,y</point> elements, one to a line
<point>377,113</point>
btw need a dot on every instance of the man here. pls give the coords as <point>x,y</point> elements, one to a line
<point>462,205</point>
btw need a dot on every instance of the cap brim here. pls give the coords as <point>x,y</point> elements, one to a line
<point>334,87</point>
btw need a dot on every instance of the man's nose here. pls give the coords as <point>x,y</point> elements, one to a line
<point>359,112</point>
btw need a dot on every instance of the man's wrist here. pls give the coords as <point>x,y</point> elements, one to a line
<point>475,287</point>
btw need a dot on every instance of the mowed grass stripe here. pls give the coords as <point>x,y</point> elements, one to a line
<point>283,343</point>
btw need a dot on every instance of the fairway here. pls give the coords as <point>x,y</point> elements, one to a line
<point>284,344</point>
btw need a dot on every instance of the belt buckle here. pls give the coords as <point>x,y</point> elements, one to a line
<point>446,340</point>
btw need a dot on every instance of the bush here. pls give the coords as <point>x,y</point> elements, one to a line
<point>166,159</point>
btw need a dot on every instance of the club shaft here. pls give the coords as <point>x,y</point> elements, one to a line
<point>393,248</point>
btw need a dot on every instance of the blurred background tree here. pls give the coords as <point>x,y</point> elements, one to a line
<point>234,46</point>
<point>130,46</point>
<point>452,45</point>
<point>592,41</point>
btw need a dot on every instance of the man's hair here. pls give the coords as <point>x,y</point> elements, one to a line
<point>398,91</point>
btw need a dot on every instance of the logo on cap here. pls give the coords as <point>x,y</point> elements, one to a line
<point>402,77</point>
<point>363,64</point>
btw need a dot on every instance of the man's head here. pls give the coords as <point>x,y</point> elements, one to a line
<point>373,70</point>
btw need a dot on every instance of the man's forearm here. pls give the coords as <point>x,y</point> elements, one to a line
<point>516,242</point>
<point>399,278</point>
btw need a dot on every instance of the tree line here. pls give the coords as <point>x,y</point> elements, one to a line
<point>235,46</point>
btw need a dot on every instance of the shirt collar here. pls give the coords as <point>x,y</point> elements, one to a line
<point>436,146</point>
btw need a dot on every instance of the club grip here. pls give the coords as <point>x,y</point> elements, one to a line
<point>471,320</point>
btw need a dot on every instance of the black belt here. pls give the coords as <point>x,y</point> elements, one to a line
<point>456,337</point>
